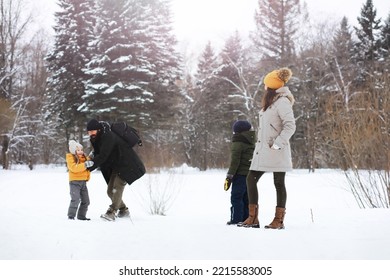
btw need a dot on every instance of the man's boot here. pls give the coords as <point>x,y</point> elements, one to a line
<point>252,220</point>
<point>110,215</point>
<point>277,223</point>
<point>123,212</point>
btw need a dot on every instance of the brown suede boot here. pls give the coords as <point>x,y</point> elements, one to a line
<point>252,220</point>
<point>277,223</point>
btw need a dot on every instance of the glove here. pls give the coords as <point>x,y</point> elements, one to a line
<point>88,163</point>
<point>228,182</point>
<point>91,155</point>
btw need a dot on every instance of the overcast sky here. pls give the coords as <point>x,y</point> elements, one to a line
<point>216,23</point>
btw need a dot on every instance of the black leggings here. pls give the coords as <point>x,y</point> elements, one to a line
<point>253,195</point>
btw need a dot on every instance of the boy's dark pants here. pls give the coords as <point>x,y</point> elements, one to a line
<point>78,193</point>
<point>239,199</point>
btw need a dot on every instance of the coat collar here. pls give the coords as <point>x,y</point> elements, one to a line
<point>285,92</point>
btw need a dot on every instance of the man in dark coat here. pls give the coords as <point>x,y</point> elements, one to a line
<point>119,164</point>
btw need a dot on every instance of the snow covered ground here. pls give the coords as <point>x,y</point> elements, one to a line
<point>323,221</point>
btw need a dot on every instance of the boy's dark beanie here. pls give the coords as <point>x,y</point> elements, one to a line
<point>240,126</point>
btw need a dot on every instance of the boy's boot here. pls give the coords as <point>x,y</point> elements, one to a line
<point>277,222</point>
<point>252,220</point>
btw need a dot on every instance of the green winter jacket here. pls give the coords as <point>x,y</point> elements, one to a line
<point>243,145</point>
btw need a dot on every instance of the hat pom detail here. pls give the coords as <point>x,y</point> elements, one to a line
<point>277,78</point>
<point>284,74</point>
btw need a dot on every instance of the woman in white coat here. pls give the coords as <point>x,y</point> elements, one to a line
<point>272,152</point>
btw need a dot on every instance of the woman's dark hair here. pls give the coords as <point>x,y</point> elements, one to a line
<point>268,98</point>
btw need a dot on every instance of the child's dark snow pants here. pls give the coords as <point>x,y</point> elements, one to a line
<point>79,195</point>
<point>239,199</point>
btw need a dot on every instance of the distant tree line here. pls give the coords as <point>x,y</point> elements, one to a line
<point>118,60</point>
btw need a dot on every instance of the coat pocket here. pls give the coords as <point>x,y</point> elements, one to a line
<point>270,142</point>
<point>272,135</point>
<point>274,128</point>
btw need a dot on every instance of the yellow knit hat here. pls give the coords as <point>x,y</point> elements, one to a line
<point>277,78</point>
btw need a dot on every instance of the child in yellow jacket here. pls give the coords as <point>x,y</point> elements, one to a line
<point>77,164</point>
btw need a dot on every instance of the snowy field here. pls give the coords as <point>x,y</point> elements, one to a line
<point>323,221</point>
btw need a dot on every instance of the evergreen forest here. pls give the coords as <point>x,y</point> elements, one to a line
<point>119,61</point>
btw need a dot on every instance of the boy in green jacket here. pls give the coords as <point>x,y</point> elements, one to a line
<point>243,145</point>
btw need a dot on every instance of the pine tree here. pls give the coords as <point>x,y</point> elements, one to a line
<point>206,109</point>
<point>236,77</point>
<point>276,25</point>
<point>134,66</point>
<point>231,83</point>
<point>111,75</point>
<point>160,46</point>
<point>73,31</point>
<point>342,42</point>
<point>232,57</point>
<point>339,61</point>
<point>385,39</point>
<point>368,32</point>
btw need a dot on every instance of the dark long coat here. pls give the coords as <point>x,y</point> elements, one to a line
<point>112,154</point>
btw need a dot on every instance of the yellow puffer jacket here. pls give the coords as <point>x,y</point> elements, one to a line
<point>77,170</point>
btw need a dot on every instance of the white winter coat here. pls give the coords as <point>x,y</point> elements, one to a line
<point>276,126</point>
